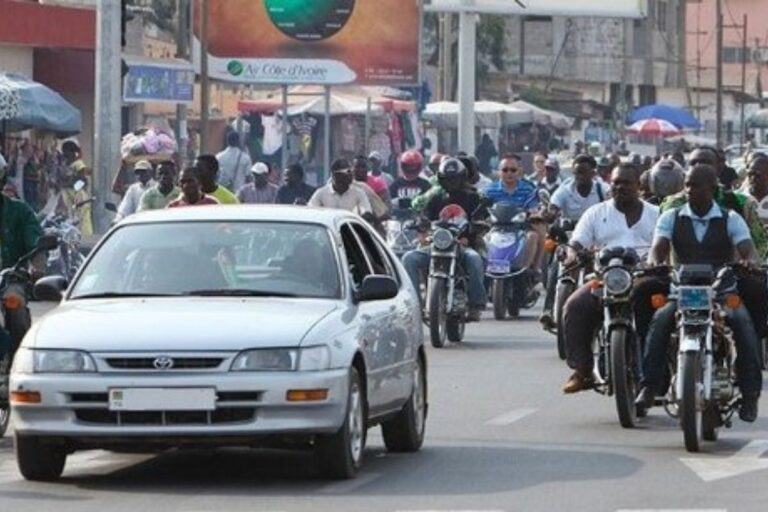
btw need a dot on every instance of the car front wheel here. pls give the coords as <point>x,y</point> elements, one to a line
<point>340,455</point>
<point>39,461</point>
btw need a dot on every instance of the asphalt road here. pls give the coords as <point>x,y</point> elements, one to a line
<point>501,436</point>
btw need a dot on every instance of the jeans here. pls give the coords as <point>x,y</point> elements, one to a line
<point>417,261</point>
<point>582,316</point>
<point>747,347</point>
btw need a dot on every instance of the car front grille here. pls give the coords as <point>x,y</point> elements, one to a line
<point>179,363</point>
<point>165,418</point>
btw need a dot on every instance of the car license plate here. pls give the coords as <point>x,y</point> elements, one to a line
<point>162,399</point>
<point>694,298</point>
<point>498,267</point>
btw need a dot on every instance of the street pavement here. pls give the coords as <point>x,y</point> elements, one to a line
<point>501,436</point>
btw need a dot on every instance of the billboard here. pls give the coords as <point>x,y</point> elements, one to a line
<point>607,8</point>
<point>366,42</point>
<point>158,83</point>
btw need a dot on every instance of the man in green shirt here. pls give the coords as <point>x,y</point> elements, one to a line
<point>165,191</point>
<point>19,230</point>
<point>208,166</point>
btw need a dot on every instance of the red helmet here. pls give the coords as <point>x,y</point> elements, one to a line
<point>436,159</point>
<point>411,163</point>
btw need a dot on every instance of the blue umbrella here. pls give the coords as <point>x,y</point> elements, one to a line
<point>675,115</point>
<point>25,104</point>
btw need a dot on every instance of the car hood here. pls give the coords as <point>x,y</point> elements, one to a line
<point>168,324</point>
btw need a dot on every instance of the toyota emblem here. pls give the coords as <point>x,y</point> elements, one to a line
<point>163,363</point>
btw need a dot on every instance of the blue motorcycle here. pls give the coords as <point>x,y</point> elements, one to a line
<point>512,282</point>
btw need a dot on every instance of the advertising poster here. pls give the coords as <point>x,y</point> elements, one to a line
<point>325,42</point>
<point>156,83</point>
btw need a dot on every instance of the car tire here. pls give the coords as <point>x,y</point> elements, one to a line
<point>38,461</point>
<point>340,455</point>
<point>405,432</point>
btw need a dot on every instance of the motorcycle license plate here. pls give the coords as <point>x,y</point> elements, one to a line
<point>693,298</point>
<point>498,267</point>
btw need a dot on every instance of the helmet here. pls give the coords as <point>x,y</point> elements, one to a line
<point>452,175</point>
<point>552,163</point>
<point>411,163</point>
<point>436,158</point>
<point>667,177</point>
<point>595,148</point>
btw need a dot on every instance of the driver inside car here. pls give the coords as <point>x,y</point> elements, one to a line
<point>456,190</point>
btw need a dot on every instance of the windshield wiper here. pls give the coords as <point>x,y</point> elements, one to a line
<point>239,292</point>
<point>112,295</point>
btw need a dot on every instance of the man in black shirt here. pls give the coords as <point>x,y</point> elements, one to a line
<point>409,184</point>
<point>295,191</point>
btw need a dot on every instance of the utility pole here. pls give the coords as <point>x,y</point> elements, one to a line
<point>205,85</point>
<point>446,51</point>
<point>742,126</point>
<point>109,101</point>
<point>182,52</point>
<point>467,80</point>
<point>719,74</point>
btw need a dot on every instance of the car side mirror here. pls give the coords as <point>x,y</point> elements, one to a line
<point>50,288</point>
<point>47,243</point>
<point>377,288</point>
<point>110,207</point>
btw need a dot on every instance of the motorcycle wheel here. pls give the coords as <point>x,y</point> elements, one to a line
<point>437,314</point>
<point>455,326</point>
<point>690,409</point>
<point>563,292</point>
<point>5,402</point>
<point>623,376</point>
<point>499,294</point>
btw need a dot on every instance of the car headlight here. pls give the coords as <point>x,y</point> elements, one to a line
<point>617,281</point>
<point>442,239</point>
<point>52,361</point>
<point>283,360</point>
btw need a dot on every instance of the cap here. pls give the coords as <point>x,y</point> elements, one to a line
<point>586,159</point>
<point>260,168</point>
<point>375,155</point>
<point>552,162</point>
<point>604,162</point>
<point>142,165</point>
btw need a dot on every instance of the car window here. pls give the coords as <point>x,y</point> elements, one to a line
<point>358,263</point>
<point>379,261</point>
<point>214,258</point>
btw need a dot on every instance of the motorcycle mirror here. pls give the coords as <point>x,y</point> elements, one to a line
<point>79,185</point>
<point>110,207</point>
<point>47,242</point>
<point>544,196</point>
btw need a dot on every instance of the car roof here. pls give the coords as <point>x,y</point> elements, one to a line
<point>234,213</point>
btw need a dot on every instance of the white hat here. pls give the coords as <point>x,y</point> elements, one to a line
<point>375,155</point>
<point>260,168</point>
<point>142,165</point>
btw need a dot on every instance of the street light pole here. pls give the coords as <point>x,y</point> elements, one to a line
<point>205,85</point>
<point>719,75</point>
<point>108,102</point>
<point>467,79</point>
<point>182,52</point>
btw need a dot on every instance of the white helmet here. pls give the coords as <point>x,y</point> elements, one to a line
<point>667,177</point>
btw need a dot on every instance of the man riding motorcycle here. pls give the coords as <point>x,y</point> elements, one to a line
<point>453,180</point>
<point>410,184</point>
<point>576,195</point>
<point>702,232</point>
<point>624,221</point>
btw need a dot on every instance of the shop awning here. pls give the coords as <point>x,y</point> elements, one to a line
<point>488,114</point>
<point>545,117</point>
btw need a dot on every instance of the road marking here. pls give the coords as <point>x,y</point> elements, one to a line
<point>746,460</point>
<point>510,417</point>
<point>349,485</point>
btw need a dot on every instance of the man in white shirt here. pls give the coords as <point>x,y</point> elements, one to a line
<point>757,185</point>
<point>234,164</point>
<point>340,193</point>
<point>576,195</point>
<point>624,221</point>
<point>132,198</point>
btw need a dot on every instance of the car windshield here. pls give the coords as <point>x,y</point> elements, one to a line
<point>213,259</point>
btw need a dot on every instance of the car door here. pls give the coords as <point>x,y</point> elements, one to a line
<point>395,342</point>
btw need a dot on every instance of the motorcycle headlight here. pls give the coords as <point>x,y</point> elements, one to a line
<point>283,360</point>
<point>442,239</point>
<point>52,361</point>
<point>617,281</point>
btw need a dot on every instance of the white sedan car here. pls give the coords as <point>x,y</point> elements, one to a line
<point>242,325</point>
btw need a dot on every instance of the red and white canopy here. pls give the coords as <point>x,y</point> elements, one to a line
<point>658,127</point>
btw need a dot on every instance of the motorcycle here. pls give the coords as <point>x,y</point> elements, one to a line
<point>448,282</point>
<point>703,393</point>
<point>403,230</point>
<point>512,284</point>
<point>66,259</point>
<point>616,348</point>
<point>16,319</point>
